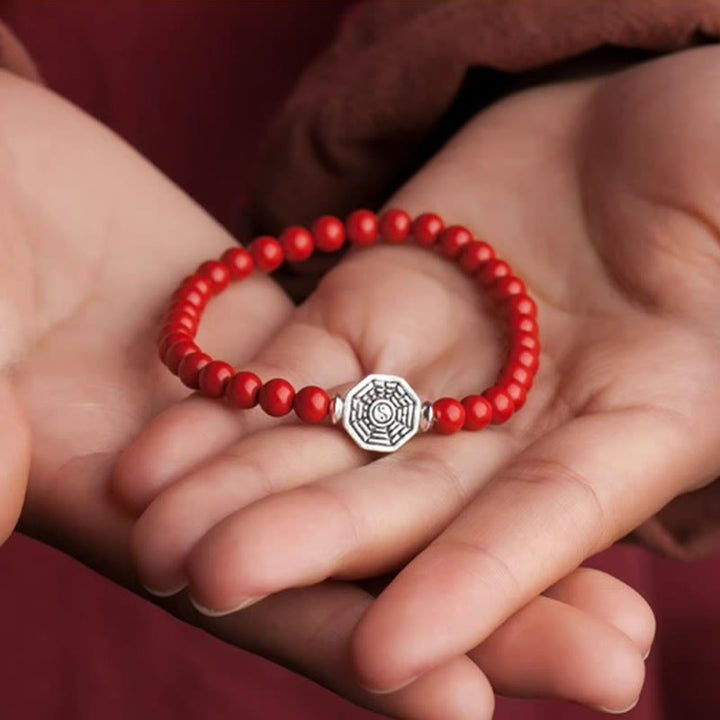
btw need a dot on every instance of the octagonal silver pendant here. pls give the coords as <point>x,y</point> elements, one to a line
<point>381,413</point>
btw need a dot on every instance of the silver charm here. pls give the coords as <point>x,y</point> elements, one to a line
<point>381,413</point>
<point>427,416</point>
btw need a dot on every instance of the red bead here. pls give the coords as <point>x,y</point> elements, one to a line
<point>474,255</point>
<point>217,273</point>
<point>426,228</point>
<point>190,295</point>
<point>453,239</point>
<point>449,415</point>
<point>199,283</point>
<point>522,323</point>
<point>276,397</point>
<point>311,404</point>
<point>526,358</point>
<point>518,373</point>
<point>493,270</point>
<point>297,243</point>
<point>517,392</point>
<point>213,378</point>
<point>329,233</point>
<point>242,390</point>
<point>362,227</point>
<point>478,412</point>
<point>507,287</point>
<point>521,305</point>
<point>182,319</point>
<point>525,340</point>
<point>182,306</point>
<point>190,367</point>
<point>502,404</point>
<point>239,262</point>
<point>177,351</point>
<point>395,226</point>
<point>267,253</point>
<point>169,339</point>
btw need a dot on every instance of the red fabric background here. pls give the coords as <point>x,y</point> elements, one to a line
<point>192,86</point>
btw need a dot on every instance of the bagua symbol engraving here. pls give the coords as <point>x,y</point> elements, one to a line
<point>381,413</point>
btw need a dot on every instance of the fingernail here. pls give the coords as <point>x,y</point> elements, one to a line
<point>165,593</point>
<point>647,654</point>
<point>610,711</point>
<point>402,685</point>
<point>247,602</point>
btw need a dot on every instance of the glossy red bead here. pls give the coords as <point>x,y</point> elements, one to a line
<point>328,233</point>
<point>182,319</point>
<point>217,273</point>
<point>276,397</point>
<point>177,351</point>
<point>449,415</point>
<point>190,367</point>
<point>426,228</point>
<point>453,239</point>
<point>169,339</point>
<point>311,404</point>
<point>395,226</point>
<point>213,378</point>
<point>507,286</point>
<point>522,323</point>
<point>527,358</point>
<point>297,243</point>
<point>362,227</point>
<point>502,404</point>
<point>242,390</point>
<point>191,296</point>
<point>518,373</point>
<point>267,253</point>
<point>478,412</point>
<point>525,340</point>
<point>239,262</point>
<point>491,271</point>
<point>517,392</point>
<point>199,283</point>
<point>474,255</point>
<point>182,306</point>
<point>521,305</point>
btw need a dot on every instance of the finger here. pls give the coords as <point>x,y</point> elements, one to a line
<point>15,452</point>
<point>267,462</point>
<point>610,600</point>
<point>193,431</point>
<point>360,522</point>
<point>552,650</point>
<point>308,630</point>
<point>563,499</point>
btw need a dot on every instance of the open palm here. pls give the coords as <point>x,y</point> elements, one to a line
<point>601,195</point>
<point>93,241</point>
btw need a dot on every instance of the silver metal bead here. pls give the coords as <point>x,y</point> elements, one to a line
<point>427,416</point>
<point>381,413</point>
<point>336,409</point>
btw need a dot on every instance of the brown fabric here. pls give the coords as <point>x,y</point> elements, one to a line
<point>353,127</point>
<point>383,96</point>
<point>14,57</point>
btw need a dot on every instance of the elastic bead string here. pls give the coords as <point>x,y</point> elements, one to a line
<point>277,397</point>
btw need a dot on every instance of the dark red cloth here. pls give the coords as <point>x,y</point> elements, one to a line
<point>193,85</point>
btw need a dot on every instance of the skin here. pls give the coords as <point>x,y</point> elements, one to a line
<point>602,195</point>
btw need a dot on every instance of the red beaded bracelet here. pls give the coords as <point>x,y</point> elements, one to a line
<point>381,412</point>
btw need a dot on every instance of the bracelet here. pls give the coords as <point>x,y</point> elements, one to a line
<point>381,412</point>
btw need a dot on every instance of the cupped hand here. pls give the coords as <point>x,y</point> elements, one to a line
<point>93,242</point>
<point>601,195</point>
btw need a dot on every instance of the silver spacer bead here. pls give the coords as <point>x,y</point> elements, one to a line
<point>427,416</point>
<point>336,409</point>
